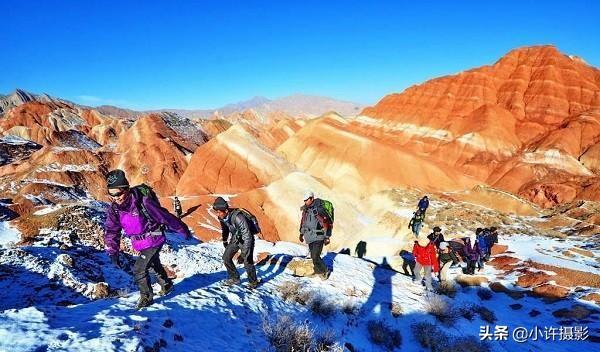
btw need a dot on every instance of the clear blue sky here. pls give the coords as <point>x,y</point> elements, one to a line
<point>184,54</point>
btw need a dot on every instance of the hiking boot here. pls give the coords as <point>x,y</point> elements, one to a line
<point>166,289</point>
<point>231,282</point>
<point>253,284</point>
<point>144,301</point>
<point>325,276</point>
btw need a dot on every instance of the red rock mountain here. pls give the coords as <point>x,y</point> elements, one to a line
<point>529,124</point>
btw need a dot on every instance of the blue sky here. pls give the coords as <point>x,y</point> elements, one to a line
<point>184,54</point>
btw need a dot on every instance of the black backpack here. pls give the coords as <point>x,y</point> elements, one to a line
<point>252,221</point>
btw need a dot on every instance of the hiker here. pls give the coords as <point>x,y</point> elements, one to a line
<point>426,260</point>
<point>315,229</point>
<point>447,258</point>
<point>423,205</point>
<point>177,207</point>
<point>483,247</point>
<point>137,212</point>
<point>361,249</point>
<point>416,222</point>
<point>487,237</point>
<point>436,237</point>
<point>492,238</point>
<point>471,253</point>
<point>237,236</point>
<point>408,261</point>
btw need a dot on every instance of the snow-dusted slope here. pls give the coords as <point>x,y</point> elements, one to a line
<point>46,305</point>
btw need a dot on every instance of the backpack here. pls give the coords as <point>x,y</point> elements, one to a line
<point>252,221</point>
<point>328,207</point>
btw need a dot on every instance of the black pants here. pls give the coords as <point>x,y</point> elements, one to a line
<point>408,265</point>
<point>315,249</point>
<point>248,257</point>
<point>470,267</point>
<point>149,259</point>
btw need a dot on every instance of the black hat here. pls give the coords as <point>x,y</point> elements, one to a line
<point>437,229</point>
<point>116,179</point>
<point>220,204</point>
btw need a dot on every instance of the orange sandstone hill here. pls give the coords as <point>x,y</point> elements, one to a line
<point>529,124</point>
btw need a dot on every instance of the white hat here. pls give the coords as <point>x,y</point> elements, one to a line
<point>308,194</point>
<point>443,245</point>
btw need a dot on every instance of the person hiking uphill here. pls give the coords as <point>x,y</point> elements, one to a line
<point>471,252</point>
<point>447,257</point>
<point>177,207</point>
<point>416,222</point>
<point>137,212</point>
<point>426,260</point>
<point>423,204</point>
<point>315,229</point>
<point>237,236</point>
<point>436,237</point>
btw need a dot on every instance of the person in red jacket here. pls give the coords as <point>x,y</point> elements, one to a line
<point>426,259</point>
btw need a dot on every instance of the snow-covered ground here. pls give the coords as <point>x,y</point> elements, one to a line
<point>203,315</point>
<point>8,234</point>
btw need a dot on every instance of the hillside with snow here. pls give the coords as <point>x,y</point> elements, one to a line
<point>59,292</point>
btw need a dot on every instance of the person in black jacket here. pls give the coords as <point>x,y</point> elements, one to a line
<point>436,237</point>
<point>236,236</point>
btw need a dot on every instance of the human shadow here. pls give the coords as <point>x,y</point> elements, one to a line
<point>380,300</point>
<point>191,210</point>
<point>361,249</point>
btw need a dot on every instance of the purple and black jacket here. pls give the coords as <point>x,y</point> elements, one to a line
<point>144,233</point>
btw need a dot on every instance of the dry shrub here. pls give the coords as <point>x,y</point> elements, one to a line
<point>383,335</point>
<point>438,307</point>
<point>446,288</point>
<point>434,339</point>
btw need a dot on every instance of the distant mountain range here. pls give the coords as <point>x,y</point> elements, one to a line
<point>294,105</point>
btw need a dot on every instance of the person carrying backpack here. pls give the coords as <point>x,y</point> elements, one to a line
<point>423,204</point>
<point>471,252</point>
<point>426,260</point>
<point>138,214</point>
<point>447,258</point>
<point>315,228</point>
<point>416,222</point>
<point>483,247</point>
<point>408,262</point>
<point>238,235</point>
<point>177,207</point>
<point>436,237</point>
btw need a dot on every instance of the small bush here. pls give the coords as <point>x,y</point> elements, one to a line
<point>285,335</point>
<point>288,290</point>
<point>484,294</point>
<point>485,314</point>
<point>327,342</point>
<point>322,307</point>
<point>439,307</point>
<point>433,338</point>
<point>350,308</point>
<point>446,288</point>
<point>383,335</point>
<point>467,313</point>
<point>291,291</point>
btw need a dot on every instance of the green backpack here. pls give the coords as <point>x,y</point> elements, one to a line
<point>328,207</point>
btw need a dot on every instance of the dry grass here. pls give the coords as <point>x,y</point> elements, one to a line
<point>583,252</point>
<point>396,310</point>
<point>383,335</point>
<point>322,307</point>
<point>446,288</point>
<point>286,335</point>
<point>434,339</point>
<point>438,307</point>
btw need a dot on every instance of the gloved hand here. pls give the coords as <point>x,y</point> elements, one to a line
<point>225,244</point>
<point>115,260</point>
<point>301,238</point>
<point>327,240</point>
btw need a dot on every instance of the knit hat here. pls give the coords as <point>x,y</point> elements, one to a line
<point>220,204</point>
<point>116,179</point>
<point>443,245</point>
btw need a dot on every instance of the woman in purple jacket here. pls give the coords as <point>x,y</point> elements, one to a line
<point>143,220</point>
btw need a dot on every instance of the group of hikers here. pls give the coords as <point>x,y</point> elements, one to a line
<point>136,212</point>
<point>434,254</point>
